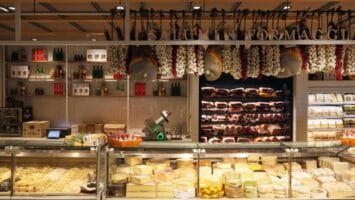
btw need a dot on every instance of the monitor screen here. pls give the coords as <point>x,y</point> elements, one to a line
<point>53,134</point>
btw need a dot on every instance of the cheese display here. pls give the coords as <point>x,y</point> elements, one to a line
<point>211,187</point>
<point>310,164</point>
<point>327,117</point>
<point>158,164</point>
<point>133,160</point>
<point>205,170</point>
<point>338,190</point>
<point>233,186</point>
<point>141,191</point>
<point>5,176</point>
<point>141,180</point>
<point>165,190</point>
<point>142,170</point>
<point>51,180</point>
<point>250,189</point>
<point>269,160</point>
<point>185,163</point>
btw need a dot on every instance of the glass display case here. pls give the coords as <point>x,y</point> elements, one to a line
<point>244,171</point>
<point>54,171</point>
<point>154,170</point>
<point>5,172</point>
<point>48,170</point>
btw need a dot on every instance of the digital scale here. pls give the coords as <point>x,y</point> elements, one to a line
<point>56,133</point>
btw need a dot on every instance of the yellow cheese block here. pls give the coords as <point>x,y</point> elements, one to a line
<point>123,169</point>
<point>219,172</point>
<point>131,187</point>
<point>159,164</point>
<point>141,180</point>
<point>184,185</point>
<point>254,166</point>
<point>165,187</point>
<point>247,176</point>
<point>223,165</point>
<point>142,170</point>
<point>340,166</point>
<point>133,160</point>
<point>205,170</point>
<point>241,167</point>
<point>116,178</point>
<point>165,194</point>
<point>184,163</point>
<point>141,194</point>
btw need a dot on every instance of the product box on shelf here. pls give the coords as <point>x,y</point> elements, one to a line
<point>19,72</point>
<point>114,128</point>
<point>58,89</point>
<point>39,55</point>
<point>139,89</point>
<point>96,55</point>
<point>35,128</point>
<point>81,89</point>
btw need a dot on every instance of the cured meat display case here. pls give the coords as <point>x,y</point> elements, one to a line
<point>252,110</point>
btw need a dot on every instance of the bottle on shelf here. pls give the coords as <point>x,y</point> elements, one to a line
<point>172,89</point>
<point>61,55</point>
<point>178,90</point>
<point>55,54</point>
<point>94,72</point>
<point>101,72</point>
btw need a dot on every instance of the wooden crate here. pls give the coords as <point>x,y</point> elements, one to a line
<point>35,128</point>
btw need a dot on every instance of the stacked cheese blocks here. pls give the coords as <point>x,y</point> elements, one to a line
<point>331,180</point>
<point>47,180</point>
<point>246,176</point>
<point>156,178</point>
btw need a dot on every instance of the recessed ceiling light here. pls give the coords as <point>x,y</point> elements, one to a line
<point>196,7</point>
<point>34,39</point>
<point>4,9</point>
<point>287,7</point>
<point>11,8</point>
<point>120,7</point>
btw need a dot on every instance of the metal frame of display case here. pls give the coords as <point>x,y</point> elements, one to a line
<point>41,149</point>
<point>288,152</point>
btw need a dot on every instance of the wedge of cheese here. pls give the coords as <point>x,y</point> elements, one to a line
<point>142,170</point>
<point>133,160</point>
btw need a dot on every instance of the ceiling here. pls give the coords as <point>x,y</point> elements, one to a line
<point>87,26</point>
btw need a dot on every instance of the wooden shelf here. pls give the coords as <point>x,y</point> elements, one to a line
<point>30,62</point>
<point>331,83</point>
<point>34,96</point>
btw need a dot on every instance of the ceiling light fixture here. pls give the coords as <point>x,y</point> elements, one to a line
<point>34,39</point>
<point>287,7</point>
<point>196,7</point>
<point>120,7</point>
<point>93,39</point>
<point>4,9</point>
<point>11,8</point>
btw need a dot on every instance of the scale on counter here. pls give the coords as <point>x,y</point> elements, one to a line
<point>56,133</point>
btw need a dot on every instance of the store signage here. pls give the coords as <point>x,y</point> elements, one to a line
<point>293,34</point>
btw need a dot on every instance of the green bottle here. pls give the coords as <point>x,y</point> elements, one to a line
<point>93,72</point>
<point>55,54</point>
<point>172,90</point>
<point>101,72</point>
<point>61,54</point>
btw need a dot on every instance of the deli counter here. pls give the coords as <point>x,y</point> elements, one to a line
<point>174,170</point>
